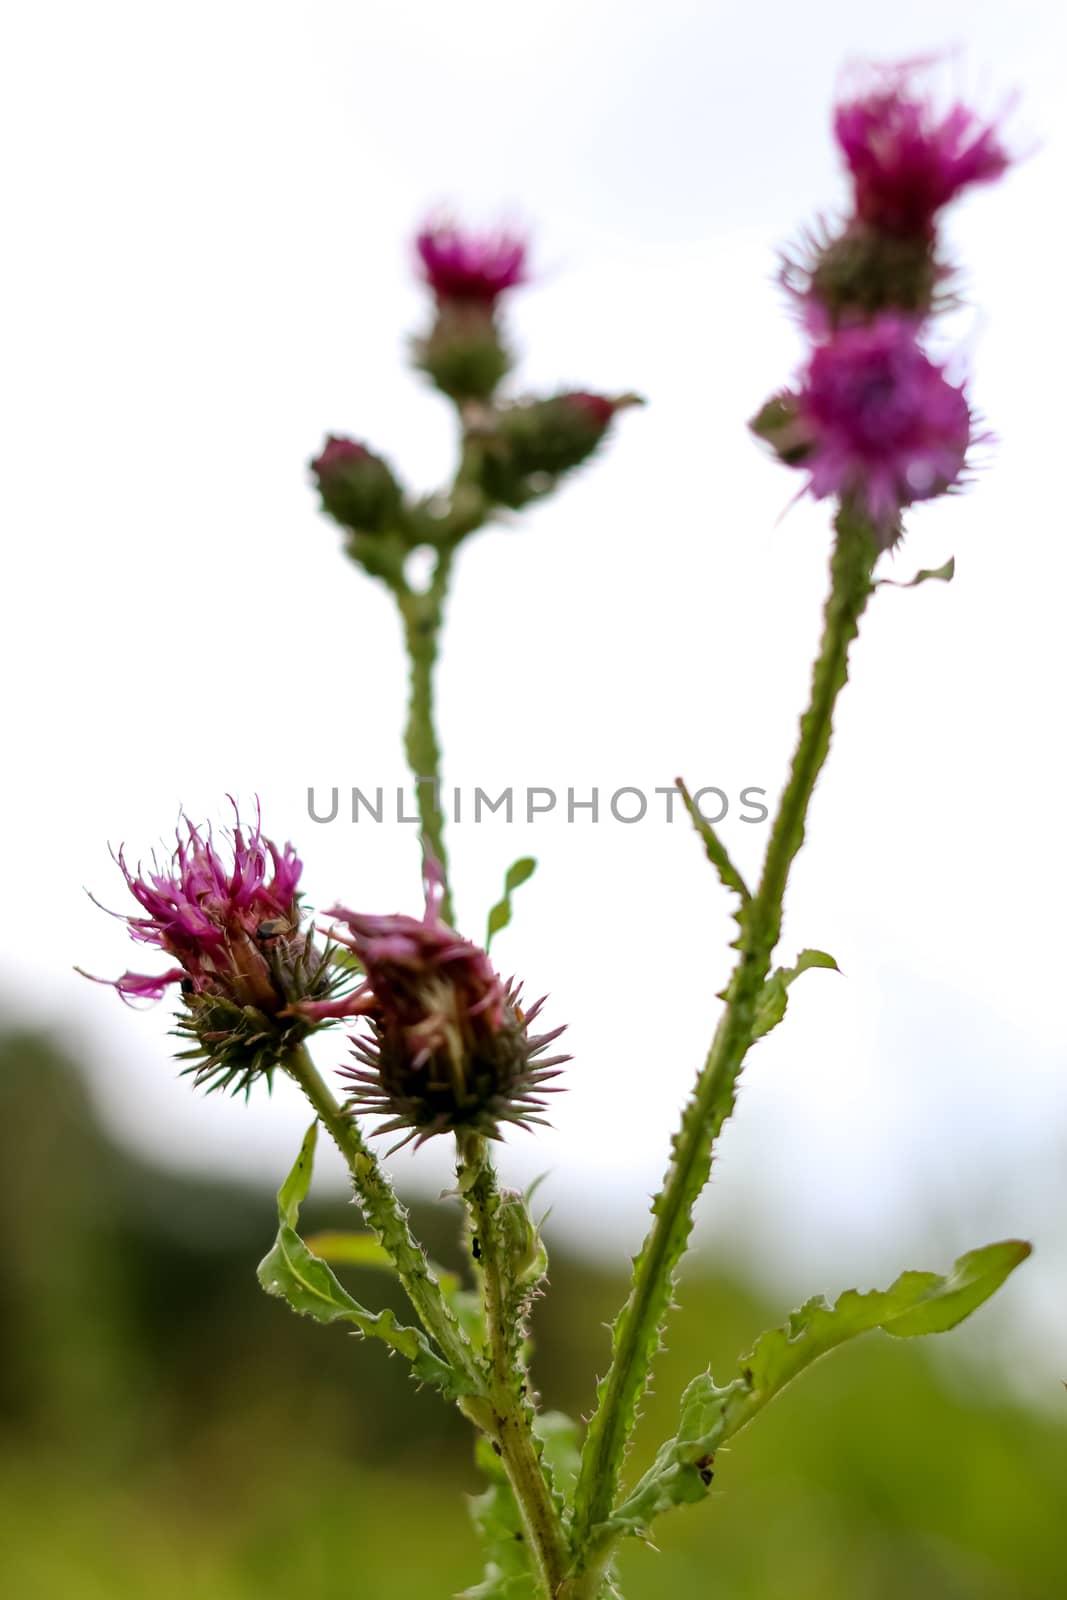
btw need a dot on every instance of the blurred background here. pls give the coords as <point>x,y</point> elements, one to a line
<point>209,213</point>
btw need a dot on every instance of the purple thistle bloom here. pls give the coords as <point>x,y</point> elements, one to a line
<point>231,923</point>
<point>906,160</point>
<point>470,266</point>
<point>209,914</point>
<point>449,1046</point>
<point>874,422</point>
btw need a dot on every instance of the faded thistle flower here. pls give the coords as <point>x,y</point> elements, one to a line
<point>449,1044</point>
<point>464,353</point>
<point>230,921</point>
<point>873,422</point>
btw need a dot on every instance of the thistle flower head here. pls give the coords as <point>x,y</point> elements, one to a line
<point>470,266</point>
<point>229,918</point>
<point>449,1045</point>
<point>907,160</point>
<point>874,422</point>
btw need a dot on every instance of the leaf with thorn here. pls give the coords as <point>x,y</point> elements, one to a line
<point>518,873</point>
<point>292,1272</point>
<point>774,996</point>
<point>714,848</point>
<point>943,574</point>
<point>917,1303</point>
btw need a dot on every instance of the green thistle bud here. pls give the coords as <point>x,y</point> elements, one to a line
<point>357,487</point>
<point>528,447</point>
<point>464,354</point>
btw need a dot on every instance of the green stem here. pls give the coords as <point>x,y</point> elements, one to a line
<point>422,615</point>
<point>388,1219</point>
<point>510,1424</point>
<point>637,1331</point>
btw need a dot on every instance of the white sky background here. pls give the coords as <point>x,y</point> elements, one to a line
<point>208,211</point>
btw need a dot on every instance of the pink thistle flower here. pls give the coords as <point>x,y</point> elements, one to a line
<point>906,160</point>
<point>230,920</point>
<point>449,1045</point>
<point>874,422</point>
<point>469,266</point>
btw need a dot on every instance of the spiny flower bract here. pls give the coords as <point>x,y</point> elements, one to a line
<point>449,1045</point>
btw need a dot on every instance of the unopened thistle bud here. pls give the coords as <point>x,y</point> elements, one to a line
<point>449,1046</point>
<point>357,487</point>
<point>464,352</point>
<point>233,929</point>
<point>529,446</point>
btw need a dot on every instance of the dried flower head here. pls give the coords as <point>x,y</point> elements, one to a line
<point>907,160</point>
<point>230,920</point>
<point>449,1046</point>
<point>874,422</point>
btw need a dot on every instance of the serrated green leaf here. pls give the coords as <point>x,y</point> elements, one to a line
<point>294,1190</point>
<point>714,848</point>
<point>518,873</point>
<point>774,996</point>
<point>350,1249</point>
<point>558,1434</point>
<point>292,1272</point>
<point>917,1303</point>
<point>943,574</point>
<point>466,1305</point>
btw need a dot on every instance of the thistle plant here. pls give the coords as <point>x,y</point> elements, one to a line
<point>438,1044</point>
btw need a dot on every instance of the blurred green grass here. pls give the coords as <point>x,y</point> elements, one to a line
<point>167,1430</point>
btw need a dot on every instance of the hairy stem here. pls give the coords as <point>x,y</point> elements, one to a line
<point>637,1330</point>
<point>422,615</point>
<point>388,1219</point>
<point>510,1426</point>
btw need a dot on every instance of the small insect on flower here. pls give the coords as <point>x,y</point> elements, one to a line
<point>449,1046</point>
<point>231,920</point>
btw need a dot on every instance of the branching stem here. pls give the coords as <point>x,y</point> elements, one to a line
<point>510,1429</point>
<point>388,1218</point>
<point>637,1330</point>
